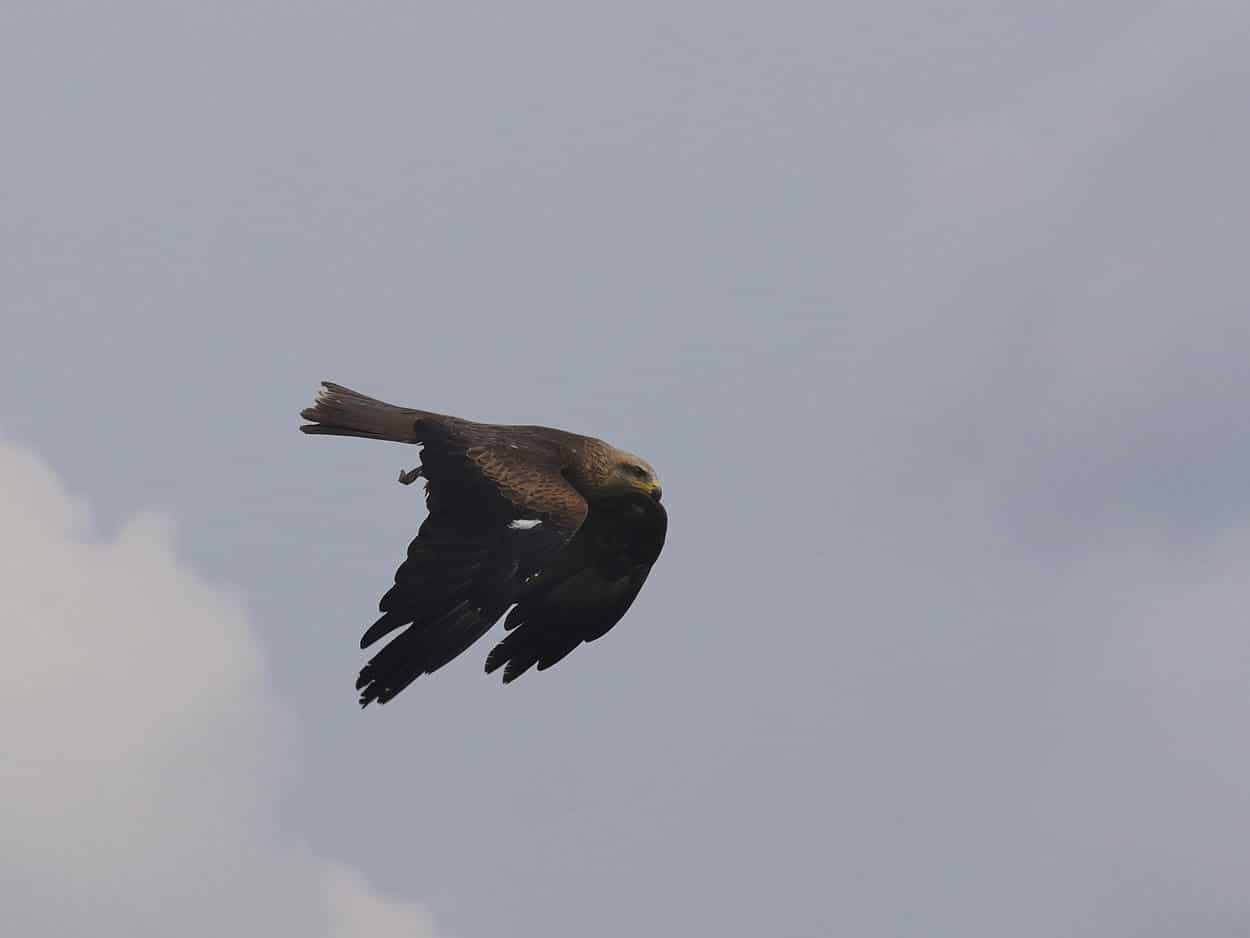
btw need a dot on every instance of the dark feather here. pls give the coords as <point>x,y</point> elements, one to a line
<point>340,411</point>
<point>465,566</point>
<point>586,590</point>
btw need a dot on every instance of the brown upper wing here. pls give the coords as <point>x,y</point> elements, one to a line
<point>499,512</point>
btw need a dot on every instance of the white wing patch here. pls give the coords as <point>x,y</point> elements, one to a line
<point>524,524</point>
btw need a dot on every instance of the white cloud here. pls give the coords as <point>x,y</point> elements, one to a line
<point>143,749</point>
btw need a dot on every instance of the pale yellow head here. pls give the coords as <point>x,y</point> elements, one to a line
<point>630,474</point>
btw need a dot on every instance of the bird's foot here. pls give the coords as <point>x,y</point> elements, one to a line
<point>410,476</point>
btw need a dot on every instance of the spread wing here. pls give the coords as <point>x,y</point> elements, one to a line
<point>499,511</point>
<point>497,515</point>
<point>586,589</point>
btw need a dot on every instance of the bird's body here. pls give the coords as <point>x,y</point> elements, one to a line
<point>561,527</point>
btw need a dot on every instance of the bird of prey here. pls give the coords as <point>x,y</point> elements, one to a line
<point>560,527</point>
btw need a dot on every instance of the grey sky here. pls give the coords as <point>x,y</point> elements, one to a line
<point>933,320</point>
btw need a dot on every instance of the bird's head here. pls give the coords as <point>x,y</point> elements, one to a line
<point>631,475</point>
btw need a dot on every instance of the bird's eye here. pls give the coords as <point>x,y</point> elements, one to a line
<point>638,471</point>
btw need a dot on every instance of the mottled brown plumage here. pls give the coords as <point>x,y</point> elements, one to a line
<point>561,528</point>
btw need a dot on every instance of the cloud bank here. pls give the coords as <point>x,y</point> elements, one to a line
<point>144,751</point>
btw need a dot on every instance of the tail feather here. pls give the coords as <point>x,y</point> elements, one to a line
<point>340,411</point>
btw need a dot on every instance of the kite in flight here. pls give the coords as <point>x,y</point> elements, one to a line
<point>562,528</point>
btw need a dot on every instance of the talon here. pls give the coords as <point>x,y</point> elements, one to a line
<point>410,476</point>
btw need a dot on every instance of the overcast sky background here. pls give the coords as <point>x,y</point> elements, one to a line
<point>933,319</point>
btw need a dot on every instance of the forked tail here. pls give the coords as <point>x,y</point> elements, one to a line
<point>340,411</point>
